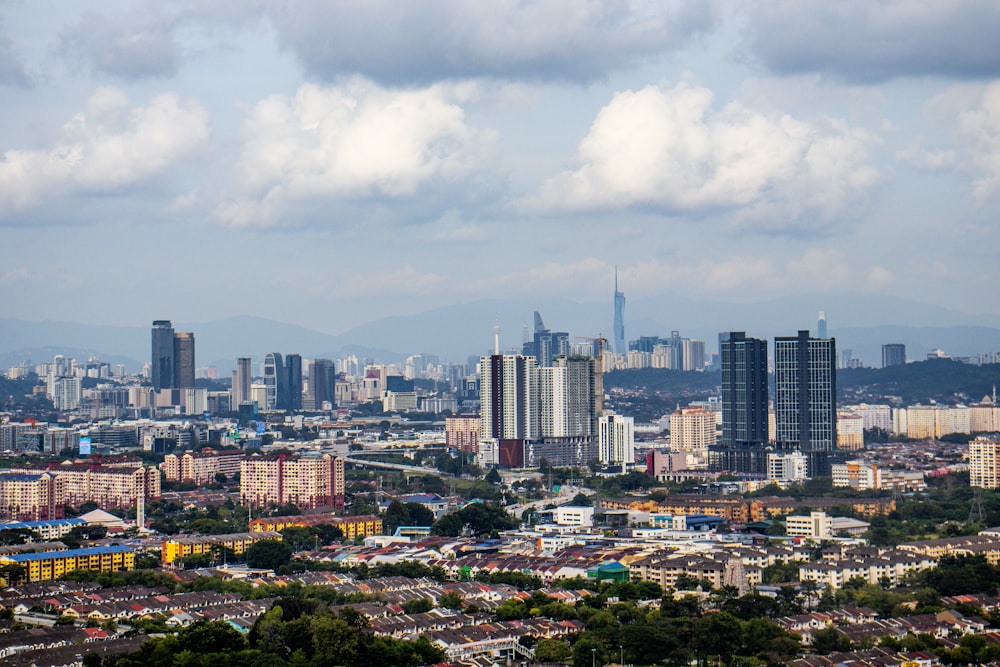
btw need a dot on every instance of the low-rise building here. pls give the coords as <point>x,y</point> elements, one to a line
<point>180,547</point>
<point>53,564</point>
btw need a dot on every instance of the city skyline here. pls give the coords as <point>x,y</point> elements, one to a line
<point>456,153</point>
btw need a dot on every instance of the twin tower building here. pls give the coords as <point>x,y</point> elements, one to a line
<point>805,402</point>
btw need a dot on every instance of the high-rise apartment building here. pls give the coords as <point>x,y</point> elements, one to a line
<point>508,408</point>
<point>461,432</point>
<point>569,404</point>
<point>744,406</point>
<point>307,482</point>
<point>616,439</point>
<point>984,461</point>
<point>805,372</point>
<point>619,323</point>
<point>692,430</point>
<point>893,354</point>
<point>162,370</point>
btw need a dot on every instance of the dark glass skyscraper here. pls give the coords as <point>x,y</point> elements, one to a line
<point>893,354</point>
<point>805,377</point>
<point>293,371</point>
<point>545,345</point>
<point>162,372</point>
<point>184,360</point>
<point>744,405</point>
<point>322,382</point>
<point>275,380</point>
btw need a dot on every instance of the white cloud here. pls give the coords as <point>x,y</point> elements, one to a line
<point>104,149</point>
<point>354,141</point>
<point>981,125</point>
<point>666,149</point>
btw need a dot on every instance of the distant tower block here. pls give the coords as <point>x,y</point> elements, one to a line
<point>821,325</point>
<point>619,323</point>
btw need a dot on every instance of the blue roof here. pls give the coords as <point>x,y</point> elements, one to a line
<point>422,498</point>
<point>14,525</point>
<point>87,551</point>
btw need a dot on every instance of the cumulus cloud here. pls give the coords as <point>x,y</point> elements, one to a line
<point>665,149</point>
<point>104,149</point>
<point>562,39</point>
<point>354,141</point>
<point>860,40</point>
<point>980,124</point>
<point>142,44</point>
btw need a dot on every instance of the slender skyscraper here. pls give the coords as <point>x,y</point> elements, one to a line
<point>293,371</point>
<point>241,382</point>
<point>508,407</point>
<point>805,378</point>
<point>322,382</point>
<point>821,324</point>
<point>619,328</point>
<point>184,360</point>
<point>162,372</point>
<point>744,405</point>
<point>275,380</point>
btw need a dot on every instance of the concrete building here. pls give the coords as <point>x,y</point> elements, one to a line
<point>304,481</point>
<point>461,432</point>
<point>850,431</point>
<point>816,526</point>
<point>32,496</point>
<point>202,467</point>
<point>786,467</point>
<point>984,461</point>
<point>176,548</point>
<point>54,564</point>
<point>744,406</point>
<point>692,430</point>
<point>616,439</point>
<point>805,375</point>
<point>508,413</point>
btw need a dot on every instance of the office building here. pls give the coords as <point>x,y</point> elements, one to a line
<point>821,324</point>
<point>323,383</point>
<point>509,417</point>
<point>805,373</point>
<point>162,370</point>
<point>242,377</point>
<point>184,362</point>
<point>786,467</point>
<point>742,448</point>
<point>545,345</point>
<point>619,323</point>
<point>292,400</point>
<point>274,380</point>
<point>893,354</point>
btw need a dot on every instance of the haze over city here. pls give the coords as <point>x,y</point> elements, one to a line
<point>331,164</point>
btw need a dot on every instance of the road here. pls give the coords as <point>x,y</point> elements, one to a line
<point>566,493</point>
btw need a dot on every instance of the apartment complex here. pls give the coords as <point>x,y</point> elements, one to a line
<point>692,430</point>
<point>202,467</point>
<point>54,564</point>
<point>983,458</point>
<point>32,496</point>
<point>183,546</point>
<point>351,526</point>
<point>116,484</point>
<point>307,482</point>
<point>461,432</point>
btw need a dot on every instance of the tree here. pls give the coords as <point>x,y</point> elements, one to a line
<point>552,650</point>
<point>451,600</point>
<point>418,605</point>
<point>493,477</point>
<point>829,640</point>
<point>268,554</point>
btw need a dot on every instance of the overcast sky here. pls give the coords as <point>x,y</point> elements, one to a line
<point>328,163</point>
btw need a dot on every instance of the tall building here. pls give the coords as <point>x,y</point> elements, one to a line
<point>821,324</point>
<point>508,415</point>
<point>619,324</point>
<point>307,482</point>
<point>323,383</point>
<point>616,439</point>
<point>744,406</point>
<point>805,376</point>
<point>569,406</point>
<point>275,380</point>
<point>241,382</point>
<point>292,401</point>
<point>545,345</point>
<point>893,354</point>
<point>984,461</point>
<point>692,430</point>
<point>184,360</point>
<point>162,371</point>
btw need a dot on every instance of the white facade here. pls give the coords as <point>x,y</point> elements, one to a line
<point>787,467</point>
<point>692,430</point>
<point>818,526</point>
<point>983,459</point>
<point>616,439</point>
<point>570,515</point>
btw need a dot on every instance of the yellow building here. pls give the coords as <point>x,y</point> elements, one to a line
<point>352,526</point>
<point>54,564</point>
<point>191,545</point>
<point>692,430</point>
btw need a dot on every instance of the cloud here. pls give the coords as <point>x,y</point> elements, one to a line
<point>12,71</point>
<point>558,39</point>
<point>104,149</point>
<point>980,124</point>
<point>352,142</point>
<point>864,41</point>
<point>665,149</point>
<point>142,44</point>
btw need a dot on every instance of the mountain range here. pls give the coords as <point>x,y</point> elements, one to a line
<point>861,323</point>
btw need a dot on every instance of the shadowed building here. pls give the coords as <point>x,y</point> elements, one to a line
<point>742,448</point>
<point>805,377</point>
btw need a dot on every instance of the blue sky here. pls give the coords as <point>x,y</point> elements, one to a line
<point>328,163</point>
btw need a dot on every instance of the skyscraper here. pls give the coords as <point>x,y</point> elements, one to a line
<point>893,354</point>
<point>508,407</point>
<point>241,382</point>
<point>184,360</point>
<point>322,382</point>
<point>744,405</point>
<point>275,380</point>
<point>162,372</point>
<point>619,324</point>
<point>821,324</point>
<point>293,371</point>
<point>545,345</point>
<point>805,376</point>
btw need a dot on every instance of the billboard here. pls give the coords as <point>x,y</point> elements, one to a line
<point>84,446</point>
